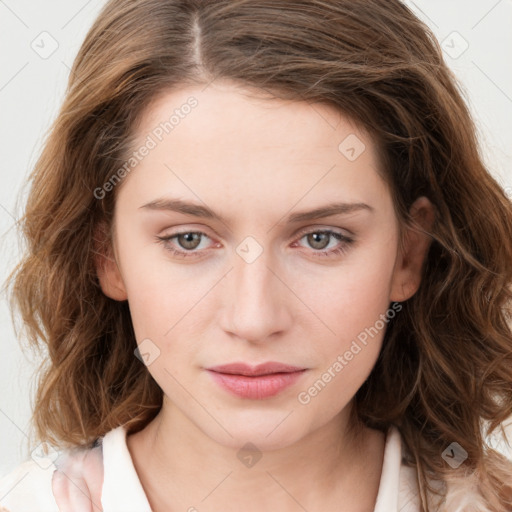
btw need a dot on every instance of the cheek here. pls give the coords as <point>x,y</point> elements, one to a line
<point>354,310</point>
<point>334,385</point>
<point>350,298</point>
<point>158,294</point>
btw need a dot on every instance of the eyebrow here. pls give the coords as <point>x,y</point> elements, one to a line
<point>197,210</point>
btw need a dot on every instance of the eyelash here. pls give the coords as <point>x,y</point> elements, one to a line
<point>346,241</point>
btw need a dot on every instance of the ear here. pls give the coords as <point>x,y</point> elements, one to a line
<point>412,254</point>
<point>108,272</point>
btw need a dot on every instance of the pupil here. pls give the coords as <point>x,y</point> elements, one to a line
<point>317,239</point>
<point>189,239</point>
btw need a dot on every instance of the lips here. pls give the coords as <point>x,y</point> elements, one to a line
<point>255,382</point>
<point>251,371</point>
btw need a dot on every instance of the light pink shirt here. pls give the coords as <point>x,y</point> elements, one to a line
<point>67,483</point>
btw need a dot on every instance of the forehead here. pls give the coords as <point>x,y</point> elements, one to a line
<point>233,145</point>
<point>251,116</point>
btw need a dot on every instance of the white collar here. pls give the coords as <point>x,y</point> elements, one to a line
<point>122,489</point>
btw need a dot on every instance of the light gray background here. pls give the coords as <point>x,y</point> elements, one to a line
<point>32,88</point>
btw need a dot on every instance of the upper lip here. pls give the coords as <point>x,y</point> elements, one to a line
<point>261,369</point>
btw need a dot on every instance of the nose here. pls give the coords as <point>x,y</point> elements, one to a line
<point>256,300</point>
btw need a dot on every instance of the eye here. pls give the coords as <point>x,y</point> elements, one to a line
<point>187,240</point>
<point>320,239</point>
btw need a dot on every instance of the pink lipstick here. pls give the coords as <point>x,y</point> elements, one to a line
<point>255,382</point>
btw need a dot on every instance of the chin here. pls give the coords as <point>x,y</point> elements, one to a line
<point>269,430</point>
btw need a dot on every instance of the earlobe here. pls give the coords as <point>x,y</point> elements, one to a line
<point>411,257</point>
<point>107,270</point>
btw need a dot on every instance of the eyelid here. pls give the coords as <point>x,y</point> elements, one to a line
<point>307,229</point>
<point>313,229</point>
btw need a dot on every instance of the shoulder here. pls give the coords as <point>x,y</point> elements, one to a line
<point>70,480</point>
<point>28,488</point>
<point>459,490</point>
<point>78,480</point>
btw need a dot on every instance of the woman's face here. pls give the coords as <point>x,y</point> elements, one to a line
<point>254,231</point>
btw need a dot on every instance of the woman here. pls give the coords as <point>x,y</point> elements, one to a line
<point>269,266</point>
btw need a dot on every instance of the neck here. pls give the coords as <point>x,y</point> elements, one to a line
<point>181,468</point>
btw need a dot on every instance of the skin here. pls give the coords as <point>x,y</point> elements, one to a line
<point>255,161</point>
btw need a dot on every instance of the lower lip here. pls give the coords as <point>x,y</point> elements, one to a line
<point>256,388</point>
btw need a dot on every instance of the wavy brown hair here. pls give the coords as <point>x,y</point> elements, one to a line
<point>446,362</point>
